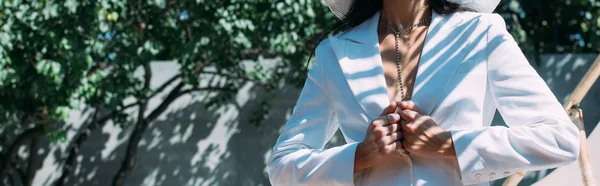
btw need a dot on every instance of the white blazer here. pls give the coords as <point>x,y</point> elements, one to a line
<point>470,66</point>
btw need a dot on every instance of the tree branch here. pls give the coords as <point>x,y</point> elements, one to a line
<point>253,53</point>
<point>14,148</point>
<point>20,175</point>
<point>74,151</point>
<point>132,146</point>
<point>11,180</point>
<point>125,107</point>
<point>173,95</point>
<point>147,75</point>
<point>34,147</point>
<point>141,125</point>
<point>165,85</point>
<point>190,90</point>
<point>200,67</point>
<point>81,137</point>
<point>228,75</point>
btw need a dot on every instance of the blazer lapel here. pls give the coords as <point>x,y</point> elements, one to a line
<point>441,55</point>
<point>358,54</point>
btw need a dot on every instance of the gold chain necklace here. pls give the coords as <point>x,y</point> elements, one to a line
<point>397,34</point>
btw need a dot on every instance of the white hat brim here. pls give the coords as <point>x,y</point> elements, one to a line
<point>341,7</point>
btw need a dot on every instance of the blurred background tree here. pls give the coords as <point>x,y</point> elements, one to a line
<point>59,55</point>
<point>554,26</point>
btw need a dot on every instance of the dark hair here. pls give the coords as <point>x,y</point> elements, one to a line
<point>368,8</point>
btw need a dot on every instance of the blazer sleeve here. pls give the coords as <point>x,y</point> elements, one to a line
<point>298,157</point>
<point>540,134</point>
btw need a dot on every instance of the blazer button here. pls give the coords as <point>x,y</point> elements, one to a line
<point>506,174</point>
<point>492,175</point>
<point>478,176</point>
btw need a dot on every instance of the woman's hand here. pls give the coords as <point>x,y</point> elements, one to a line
<point>381,140</point>
<point>421,136</point>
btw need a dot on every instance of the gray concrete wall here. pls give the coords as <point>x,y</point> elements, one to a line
<point>189,145</point>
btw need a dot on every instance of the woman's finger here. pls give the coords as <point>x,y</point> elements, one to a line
<point>392,119</point>
<point>390,109</point>
<point>411,139</point>
<point>392,128</point>
<point>403,122</point>
<point>422,123</point>
<point>407,127</point>
<point>409,105</point>
<point>386,140</point>
<point>409,115</point>
<point>388,149</point>
<point>392,144</point>
<point>380,132</point>
<point>380,121</point>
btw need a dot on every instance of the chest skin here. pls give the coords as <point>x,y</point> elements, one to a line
<point>410,47</point>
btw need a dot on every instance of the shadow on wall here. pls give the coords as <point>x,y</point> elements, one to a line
<point>190,146</point>
<point>563,73</point>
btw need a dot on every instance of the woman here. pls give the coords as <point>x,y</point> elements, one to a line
<point>446,71</point>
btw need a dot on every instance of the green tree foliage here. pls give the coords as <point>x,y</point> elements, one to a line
<point>569,26</point>
<point>57,55</point>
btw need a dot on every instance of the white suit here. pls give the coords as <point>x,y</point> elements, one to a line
<point>470,66</point>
